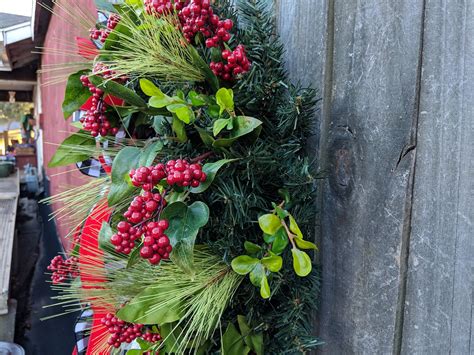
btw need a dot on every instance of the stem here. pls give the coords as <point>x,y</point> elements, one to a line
<point>291,236</point>
<point>201,157</point>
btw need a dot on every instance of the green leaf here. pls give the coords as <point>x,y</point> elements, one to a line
<point>252,248</point>
<point>170,332</point>
<point>252,339</point>
<point>211,170</point>
<point>154,305</point>
<point>264,287</point>
<point>233,343</point>
<point>179,129</point>
<point>243,125</point>
<point>113,88</point>
<point>269,223</point>
<point>68,151</point>
<point>76,94</point>
<point>304,244</point>
<point>281,212</point>
<point>244,264</point>
<point>134,352</point>
<point>294,227</point>
<point>200,63</point>
<point>205,136</point>
<point>268,238</point>
<point>150,89</point>
<point>159,101</point>
<point>257,273</point>
<point>196,99</point>
<point>219,125</point>
<point>280,242</point>
<point>225,100</point>
<point>213,111</point>
<point>149,153</point>
<point>184,224</point>
<point>134,257</point>
<point>183,112</point>
<point>273,263</point>
<point>127,159</point>
<point>104,238</point>
<point>301,262</point>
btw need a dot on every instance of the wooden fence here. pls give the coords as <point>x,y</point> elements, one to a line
<point>395,133</point>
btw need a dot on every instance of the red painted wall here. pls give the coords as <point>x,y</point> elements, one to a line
<point>59,43</point>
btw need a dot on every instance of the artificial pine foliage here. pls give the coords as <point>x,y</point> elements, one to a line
<point>263,189</point>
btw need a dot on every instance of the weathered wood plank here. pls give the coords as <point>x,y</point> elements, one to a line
<point>370,111</point>
<point>376,47</point>
<point>439,300</point>
<point>9,192</point>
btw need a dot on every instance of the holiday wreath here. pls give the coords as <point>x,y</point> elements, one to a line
<point>202,220</point>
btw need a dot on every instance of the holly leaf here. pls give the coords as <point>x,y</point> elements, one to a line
<point>242,125</point>
<point>301,262</point>
<point>219,125</point>
<point>233,343</point>
<point>211,170</point>
<point>113,88</point>
<point>184,224</point>
<point>252,339</point>
<point>280,241</point>
<point>69,152</point>
<point>154,305</point>
<point>127,159</point>
<point>244,264</point>
<point>273,263</point>
<point>76,94</point>
<point>205,136</point>
<point>269,223</point>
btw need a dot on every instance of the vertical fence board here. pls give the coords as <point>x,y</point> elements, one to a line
<point>438,312</point>
<point>376,48</point>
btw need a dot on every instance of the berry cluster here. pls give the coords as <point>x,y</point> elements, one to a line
<point>143,207</point>
<point>124,332</point>
<point>147,177</point>
<point>198,17</point>
<point>151,337</point>
<point>102,34</point>
<point>156,244</point>
<point>237,63</point>
<point>63,268</point>
<point>124,239</point>
<point>95,120</point>
<point>147,207</point>
<point>163,7</point>
<point>181,173</point>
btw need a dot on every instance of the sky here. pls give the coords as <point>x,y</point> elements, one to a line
<point>17,7</point>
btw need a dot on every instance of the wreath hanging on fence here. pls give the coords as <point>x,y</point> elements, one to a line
<point>210,193</point>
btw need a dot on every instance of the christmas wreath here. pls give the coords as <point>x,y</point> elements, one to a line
<point>204,206</point>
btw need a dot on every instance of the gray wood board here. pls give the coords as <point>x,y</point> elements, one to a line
<point>439,298</point>
<point>369,110</point>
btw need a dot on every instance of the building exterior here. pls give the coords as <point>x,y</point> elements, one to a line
<point>59,39</point>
